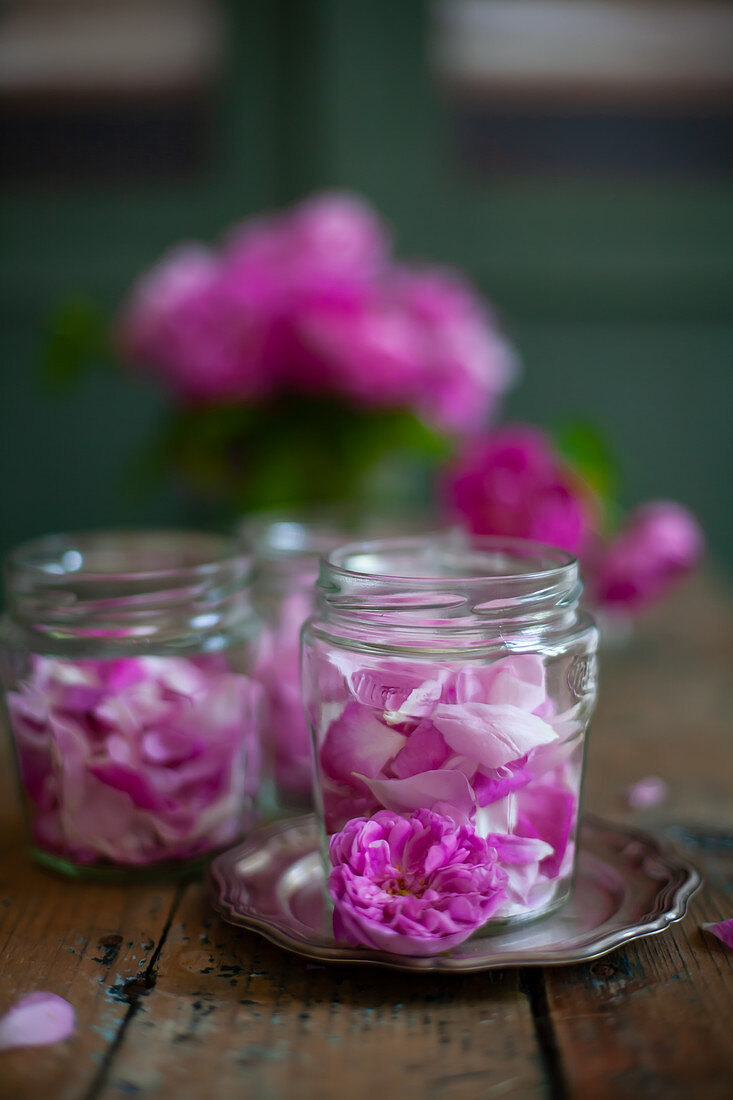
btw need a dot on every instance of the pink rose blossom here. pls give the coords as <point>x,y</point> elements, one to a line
<point>415,338</point>
<point>722,929</point>
<point>135,760</point>
<point>659,543</point>
<point>309,301</point>
<point>511,483</point>
<point>183,323</point>
<point>470,364</point>
<point>218,326</point>
<point>37,1019</point>
<point>412,886</point>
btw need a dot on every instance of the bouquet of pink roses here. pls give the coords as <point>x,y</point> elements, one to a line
<point>299,353</point>
<point>300,357</point>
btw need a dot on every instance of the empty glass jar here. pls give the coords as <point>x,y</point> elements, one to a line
<point>126,661</point>
<point>449,683</point>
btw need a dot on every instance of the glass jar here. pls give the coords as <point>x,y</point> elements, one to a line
<point>449,682</point>
<point>126,661</point>
<point>286,549</point>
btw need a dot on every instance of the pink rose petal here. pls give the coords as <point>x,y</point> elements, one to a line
<point>518,680</point>
<point>502,781</point>
<point>723,929</point>
<point>444,791</point>
<point>36,1020</point>
<point>518,849</point>
<point>402,690</point>
<point>647,792</point>
<point>357,742</point>
<point>547,812</point>
<point>425,751</point>
<point>491,734</point>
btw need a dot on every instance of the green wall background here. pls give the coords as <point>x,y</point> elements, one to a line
<point>617,294</point>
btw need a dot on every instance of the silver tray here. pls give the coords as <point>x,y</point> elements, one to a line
<point>628,884</point>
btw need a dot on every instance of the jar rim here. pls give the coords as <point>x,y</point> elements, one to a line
<point>170,553</point>
<point>312,533</point>
<point>129,587</point>
<point>561,563</point>
<point>286,534</point>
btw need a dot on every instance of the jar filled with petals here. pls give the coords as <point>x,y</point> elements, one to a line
<point>449,682</point>
<point>126,661</point>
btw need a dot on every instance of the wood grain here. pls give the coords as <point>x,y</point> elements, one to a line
<point>231,1009</point>
<point>664,708</point>
<point>91,944</point>
<point>654,1019</point>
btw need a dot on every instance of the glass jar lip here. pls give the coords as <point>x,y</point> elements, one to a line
<point>284,534</point>
<point>563,564</point>
<point>172,554</point>
<point>313,533</point>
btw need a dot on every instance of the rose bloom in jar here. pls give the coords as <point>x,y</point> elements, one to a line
<point>449,682</point>
<point>125,660</point>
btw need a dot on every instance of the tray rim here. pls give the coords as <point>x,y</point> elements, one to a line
<point>671,902</point>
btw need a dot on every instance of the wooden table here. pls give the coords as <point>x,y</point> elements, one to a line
<point>172,1002</point>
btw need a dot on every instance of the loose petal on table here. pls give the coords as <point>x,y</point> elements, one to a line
<point>650,791</point>
<point>36,1020</point>
<point>723,930</point>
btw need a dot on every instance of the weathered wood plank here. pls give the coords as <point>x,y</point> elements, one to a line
<point>653,1020</point>
<point>84,941</point>
<point>665,706</point>
<point>235,1015</point>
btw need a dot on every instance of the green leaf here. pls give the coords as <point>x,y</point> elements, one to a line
<point>75,341</point>
<point>588,451</point>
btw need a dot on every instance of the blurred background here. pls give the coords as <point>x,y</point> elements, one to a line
<point>572,157</point>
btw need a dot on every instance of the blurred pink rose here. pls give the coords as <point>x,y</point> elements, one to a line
<point>218,326</point>
<point>134,760</point>
<point>469,365</point>
<point>310,301</point>
<point>659,543</point>
<point>327,236</point>
<point>511,483</point>
<point>415,338</point>
<point>182,324</point>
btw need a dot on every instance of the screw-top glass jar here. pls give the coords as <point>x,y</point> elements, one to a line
<point>126,661</point>
<point>286,548</point>
<point>449,683</point>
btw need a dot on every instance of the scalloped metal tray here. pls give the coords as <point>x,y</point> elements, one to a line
<point>628,884</point>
